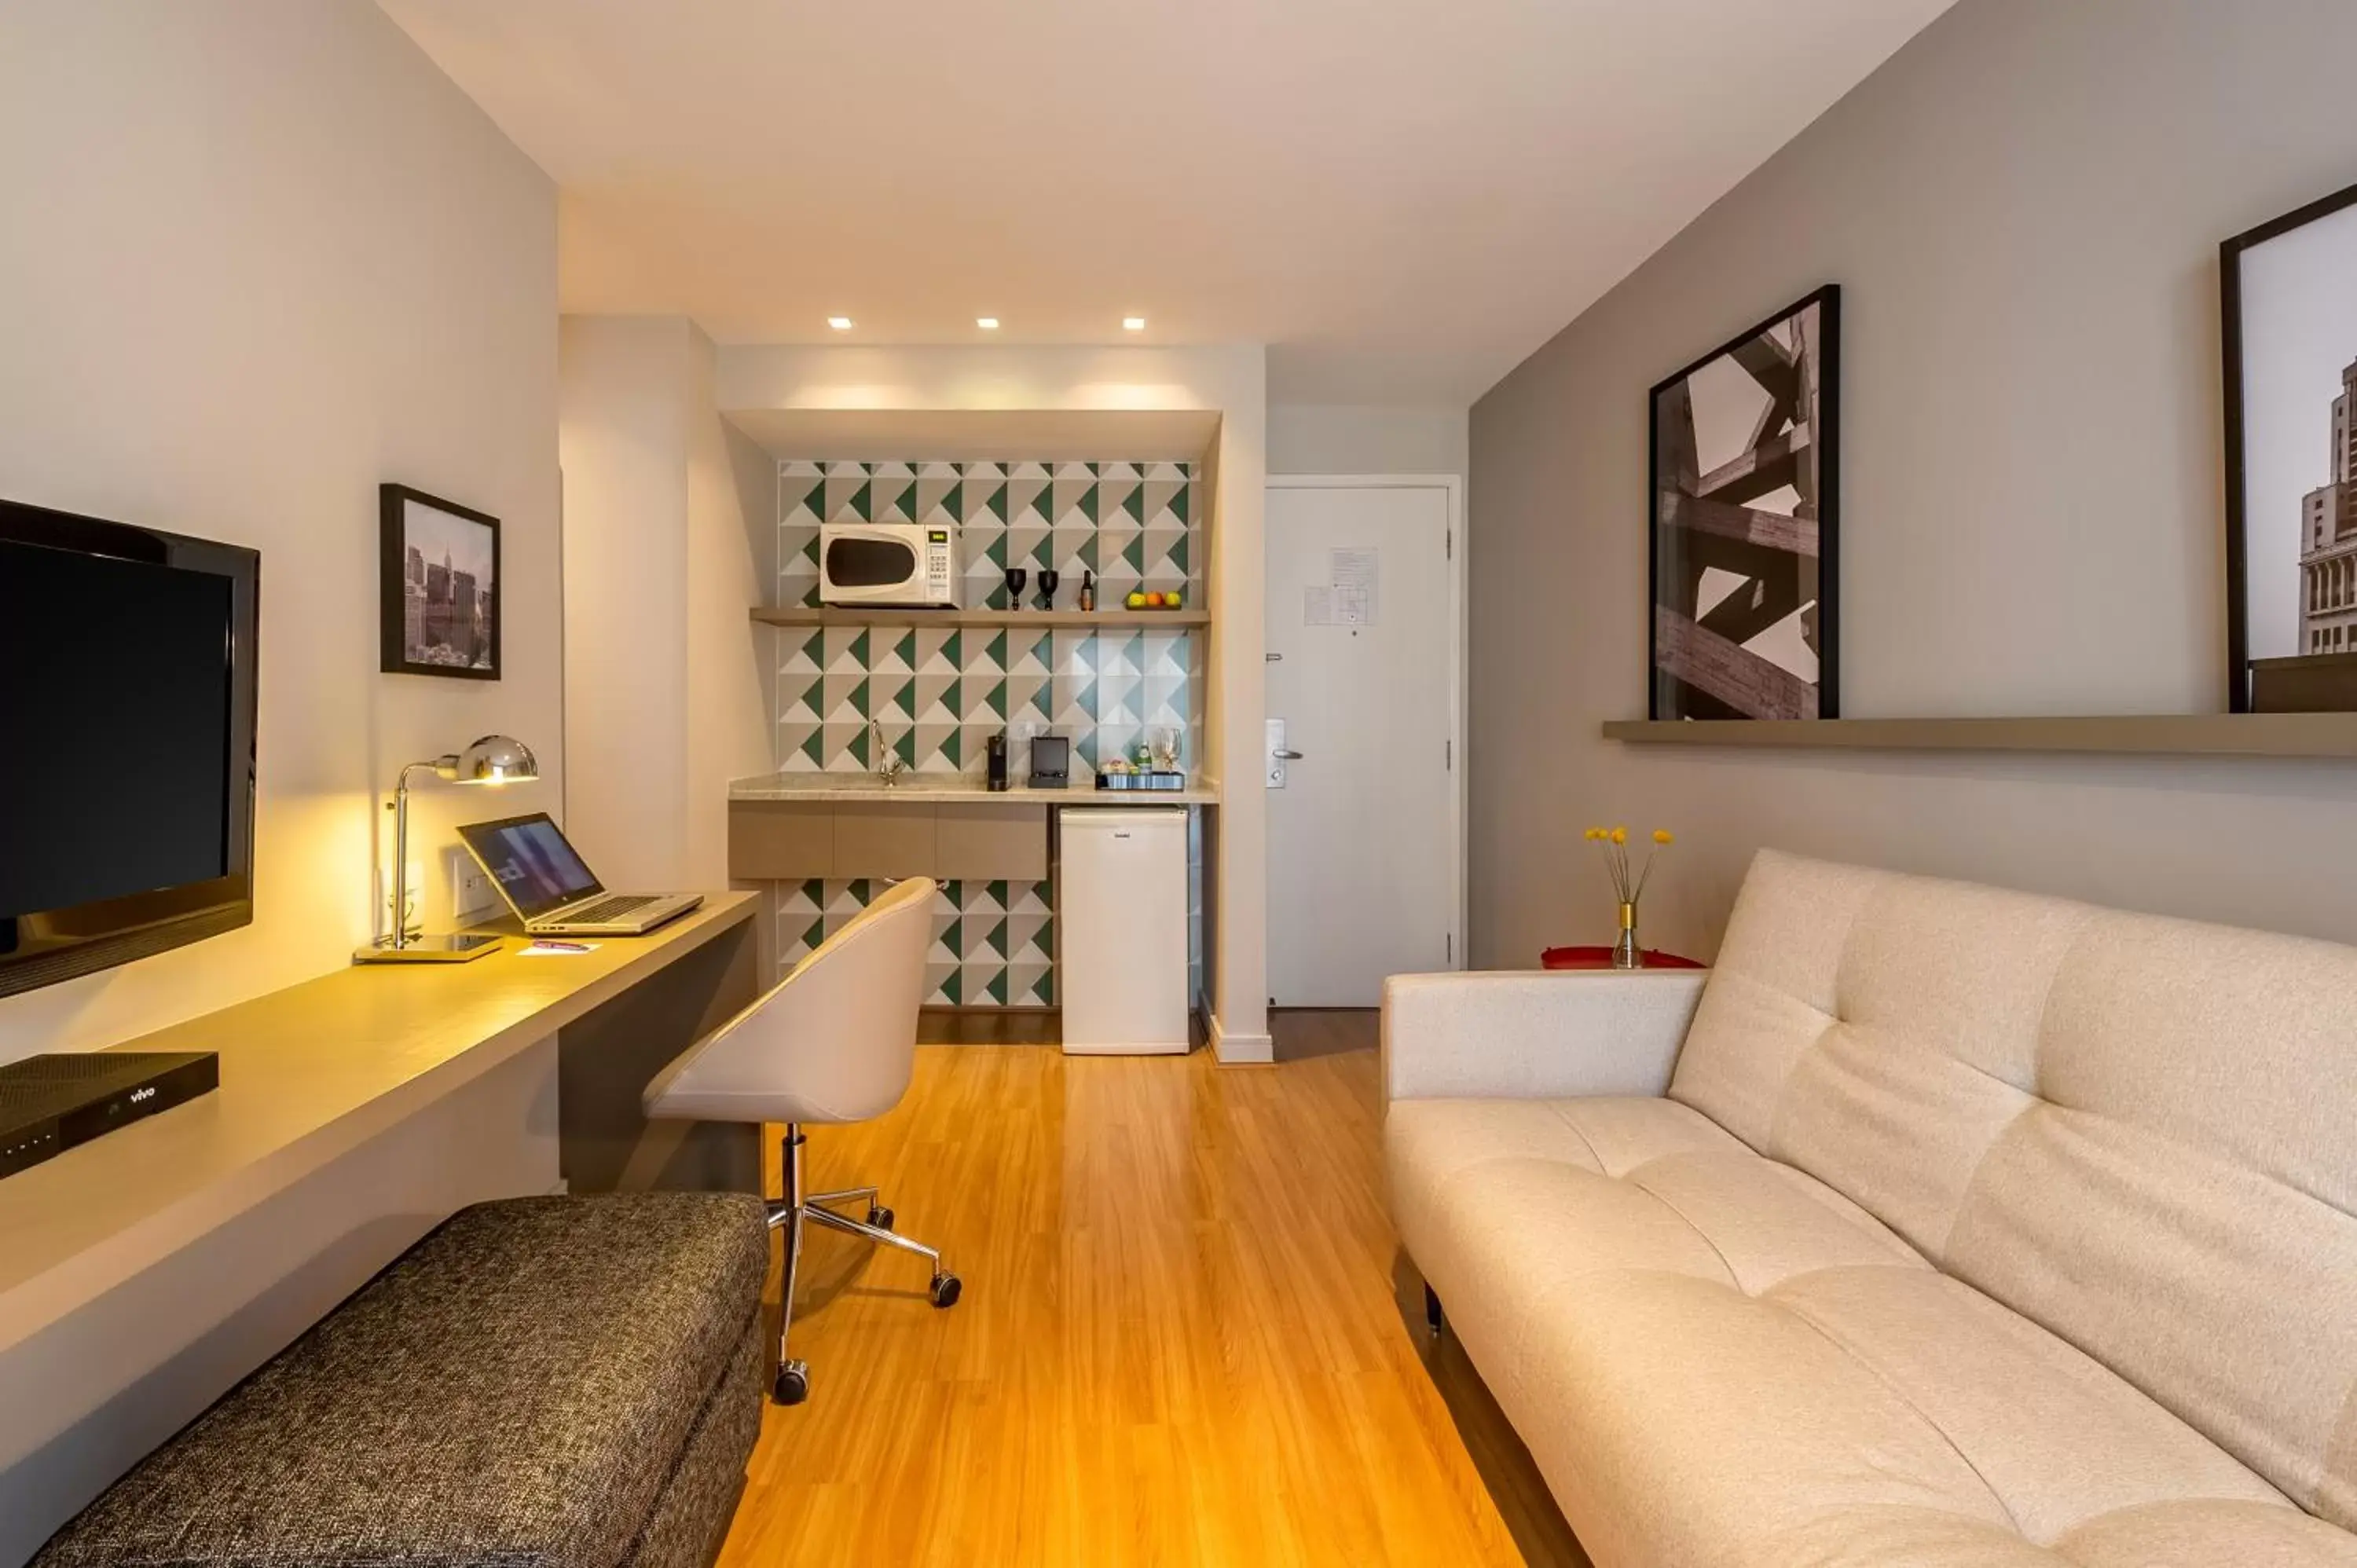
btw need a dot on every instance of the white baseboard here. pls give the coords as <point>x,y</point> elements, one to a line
<point>1241,1050</point>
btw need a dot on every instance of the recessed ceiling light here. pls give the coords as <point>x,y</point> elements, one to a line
<point>840,323</point>
<point>1133,324</point>
<point>987,323</point>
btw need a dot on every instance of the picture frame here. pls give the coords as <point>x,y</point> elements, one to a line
<point>438,586</point>
<point>2289,354</point>
<point>1742,472</point>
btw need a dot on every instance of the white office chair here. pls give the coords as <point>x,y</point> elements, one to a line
<point>834,1041</point>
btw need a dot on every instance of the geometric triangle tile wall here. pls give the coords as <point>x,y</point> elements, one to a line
<point>939,694</point>
<point>993,942</point>
<point>1135,525</point>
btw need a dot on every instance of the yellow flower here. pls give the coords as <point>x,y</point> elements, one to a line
<point>1594,834</point>
<point>1662,835</point>
<point>1620,836</point>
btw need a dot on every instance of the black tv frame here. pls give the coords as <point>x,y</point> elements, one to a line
<point>44,948</point>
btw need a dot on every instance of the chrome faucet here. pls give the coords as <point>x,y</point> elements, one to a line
<point>889,764</point>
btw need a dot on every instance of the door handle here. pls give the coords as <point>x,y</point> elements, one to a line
<point>1275,754</point>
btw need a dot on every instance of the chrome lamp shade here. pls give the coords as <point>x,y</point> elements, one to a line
<point>492,759</point>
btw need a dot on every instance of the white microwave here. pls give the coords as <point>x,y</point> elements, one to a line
<point>910,565</point>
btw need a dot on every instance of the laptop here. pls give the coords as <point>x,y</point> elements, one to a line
<point>552,889</point>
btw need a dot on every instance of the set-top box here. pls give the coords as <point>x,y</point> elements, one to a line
<point>49,1104</point>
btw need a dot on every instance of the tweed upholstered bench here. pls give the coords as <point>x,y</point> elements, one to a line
<point>558,1382</point>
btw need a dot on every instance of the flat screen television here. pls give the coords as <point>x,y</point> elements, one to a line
<point>128,670</point>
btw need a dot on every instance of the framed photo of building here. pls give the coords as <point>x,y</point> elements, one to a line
<point>439,587</point>
<point>1741,475</point>
<point>2290,321</point>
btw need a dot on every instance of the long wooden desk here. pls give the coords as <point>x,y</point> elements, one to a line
<point>355,1111</point>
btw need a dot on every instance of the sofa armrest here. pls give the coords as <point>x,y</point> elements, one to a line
<point>1529,1034</point>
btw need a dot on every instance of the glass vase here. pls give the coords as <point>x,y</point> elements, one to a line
<point>1625,951</point>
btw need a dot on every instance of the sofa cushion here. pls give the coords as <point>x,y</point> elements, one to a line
<point>2133,1131</point>
<point>2246,1535</point>
<point>1716,1359</point>
<point>1431,1139</point>
<point>523,1388</point>
<point>1510,1200</point>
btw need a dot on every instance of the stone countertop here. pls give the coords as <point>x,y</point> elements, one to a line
<point>932,789</point>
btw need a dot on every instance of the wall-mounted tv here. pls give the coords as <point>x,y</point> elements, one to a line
<point>127,670</point>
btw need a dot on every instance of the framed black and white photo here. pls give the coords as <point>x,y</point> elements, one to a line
<point>438,586</point>
<point>2290,320</point>
<point>1741,475</point>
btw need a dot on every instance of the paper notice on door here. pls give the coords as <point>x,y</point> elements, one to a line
<point>1357,576</point>
<point>1317,607</point>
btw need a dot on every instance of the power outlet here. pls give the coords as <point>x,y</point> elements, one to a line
<point>472,896</point>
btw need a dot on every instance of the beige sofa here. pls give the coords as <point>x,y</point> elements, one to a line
<point>1938,1225</point>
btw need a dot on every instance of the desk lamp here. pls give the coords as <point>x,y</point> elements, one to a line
<point>493,760</point>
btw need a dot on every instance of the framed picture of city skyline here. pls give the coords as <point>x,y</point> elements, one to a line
<point>439,587</point>
<point>1741,479</point>
<point>2290,318</point>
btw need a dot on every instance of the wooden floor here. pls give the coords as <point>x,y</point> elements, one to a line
<point>1181,1338</point>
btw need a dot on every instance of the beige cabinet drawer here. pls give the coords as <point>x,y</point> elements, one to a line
<point>992,842</point>
<point>780,840</point>
<point>888,839</point>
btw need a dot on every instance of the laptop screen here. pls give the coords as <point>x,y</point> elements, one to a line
<point>536,870</point>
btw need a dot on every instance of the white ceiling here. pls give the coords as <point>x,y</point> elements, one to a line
<point>1401,198</point>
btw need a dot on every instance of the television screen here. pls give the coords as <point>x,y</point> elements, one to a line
<point>126,726</point>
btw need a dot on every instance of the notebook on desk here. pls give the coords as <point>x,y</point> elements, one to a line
<point>552,888</point>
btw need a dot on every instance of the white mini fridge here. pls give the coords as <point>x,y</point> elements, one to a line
<point>1122,922</point>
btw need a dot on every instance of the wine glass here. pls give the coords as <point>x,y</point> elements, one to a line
<point>1047,581</point>
<point>1016,577</point>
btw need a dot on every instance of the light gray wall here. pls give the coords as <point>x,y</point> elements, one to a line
<point>669,521</point>
<point>257,258</point>
<point>2023,209</point>
<point>1339,438</point>
<point>628,390</point>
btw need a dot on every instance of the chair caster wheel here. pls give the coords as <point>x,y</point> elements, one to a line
<point>792,1386</point>
<point>945,1290</point>
<point>879,1217</point>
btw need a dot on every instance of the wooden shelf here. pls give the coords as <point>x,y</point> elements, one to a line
<point>2155,735</point>
<point>804,615</point>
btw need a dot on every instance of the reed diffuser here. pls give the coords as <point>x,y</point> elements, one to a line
<point>1626,953</point>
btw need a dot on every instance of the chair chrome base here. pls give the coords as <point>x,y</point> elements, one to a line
<point>796,1209</point>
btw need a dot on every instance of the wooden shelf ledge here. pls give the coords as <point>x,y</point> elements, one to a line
<point>1137,620</point>
<point>2155,735</point>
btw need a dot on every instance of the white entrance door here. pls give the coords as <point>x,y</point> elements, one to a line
<point>1364,844</point>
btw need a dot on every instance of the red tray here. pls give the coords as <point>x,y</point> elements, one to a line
<point>1601,957</point>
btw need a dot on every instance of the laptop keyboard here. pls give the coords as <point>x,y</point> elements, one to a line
<point>612,909</point>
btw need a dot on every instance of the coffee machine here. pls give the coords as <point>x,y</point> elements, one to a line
<point>994,749</point>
